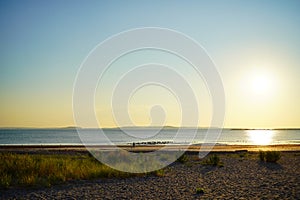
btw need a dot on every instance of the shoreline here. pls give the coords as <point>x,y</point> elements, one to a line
<point>149,148</point>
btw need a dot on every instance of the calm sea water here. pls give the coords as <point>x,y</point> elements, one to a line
<point>171,135</point>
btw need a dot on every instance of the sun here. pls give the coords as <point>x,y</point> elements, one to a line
<point>261,82</point>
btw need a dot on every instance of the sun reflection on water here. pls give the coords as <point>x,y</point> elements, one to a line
<point>261,137</point>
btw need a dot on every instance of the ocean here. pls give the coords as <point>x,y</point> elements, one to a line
<point>70,136</point>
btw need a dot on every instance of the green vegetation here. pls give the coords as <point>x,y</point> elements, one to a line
<point>199,191</point>
<point>159,173</point>
<point>183,158</point>
<point>261,155</point>
<point>243,155</point>
<point>46,170</point>
<point>296,154</point>
<point>269,156</point>
<point>213,160</point>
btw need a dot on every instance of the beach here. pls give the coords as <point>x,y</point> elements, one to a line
<point>146,148</point>
<point>241,176</point>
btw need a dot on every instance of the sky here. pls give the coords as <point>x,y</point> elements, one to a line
<point>255,46</point>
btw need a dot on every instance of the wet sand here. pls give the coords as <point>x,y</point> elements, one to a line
<point>145,148</point>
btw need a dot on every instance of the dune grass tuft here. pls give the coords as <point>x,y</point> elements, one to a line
<point>213,160</point>
<point>269,156</point>
<point>159,173</point>
<point>262,155</point>
<point>183,158</point>
<point>199,191</point>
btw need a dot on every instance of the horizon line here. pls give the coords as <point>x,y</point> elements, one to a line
<point>175,127</point>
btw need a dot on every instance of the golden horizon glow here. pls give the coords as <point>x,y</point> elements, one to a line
<point>257,58</point>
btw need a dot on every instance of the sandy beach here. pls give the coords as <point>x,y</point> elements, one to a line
<point>145,148</point>
<point>243,176</point>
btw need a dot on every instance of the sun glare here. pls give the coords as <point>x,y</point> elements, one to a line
<point>261,137</point>
<point>260,82</point>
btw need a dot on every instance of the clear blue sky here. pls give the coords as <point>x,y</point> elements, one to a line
<point>44,42</point>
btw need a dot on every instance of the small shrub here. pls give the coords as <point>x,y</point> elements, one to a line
<point>220,164</point>
<point>213,160</point>
<point>159,173</point>
<point>262,155</point>
<point>269,156</point>
<point>243,155</point>
<point>183,158</point>
<point>273,156</point>
<point>199,191</point>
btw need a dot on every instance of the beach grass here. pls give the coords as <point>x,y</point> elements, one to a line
<point>159,173</point>
<point>183,158</point>
<point>262,155</point>
<point>46,170</point>
<point>199,191</point>
<point>269,156</point>
<point>213,160</point>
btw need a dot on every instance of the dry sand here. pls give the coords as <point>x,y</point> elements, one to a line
<point>240,178</point>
